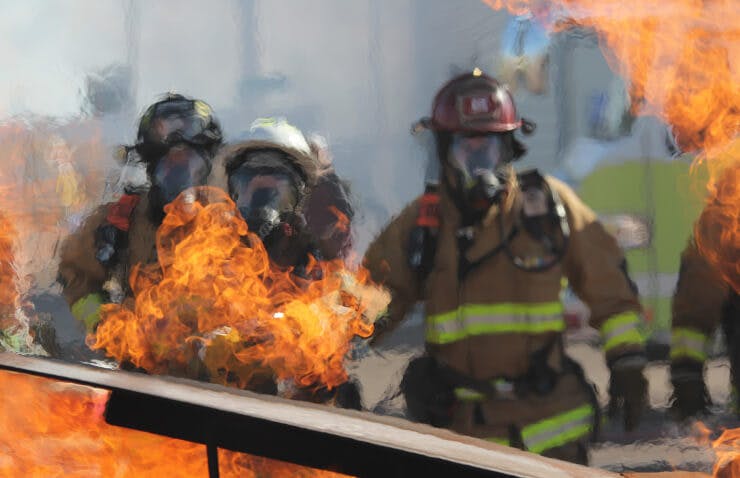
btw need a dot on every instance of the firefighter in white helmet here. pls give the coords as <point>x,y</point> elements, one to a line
<point>287,191</point>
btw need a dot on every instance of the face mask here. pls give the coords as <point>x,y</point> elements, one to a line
<point>180,168</point>
<point>264,198</point>
<point>475,161</point>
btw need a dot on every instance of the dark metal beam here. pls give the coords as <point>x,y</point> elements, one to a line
<point>351,442</point>
<point>275,440</point>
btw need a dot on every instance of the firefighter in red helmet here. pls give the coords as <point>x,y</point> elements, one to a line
<point>497,247</point>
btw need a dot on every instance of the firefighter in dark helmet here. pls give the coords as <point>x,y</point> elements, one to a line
<point>176,141</point>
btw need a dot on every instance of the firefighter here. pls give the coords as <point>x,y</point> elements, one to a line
<point>702,302</point>
<point>177,140</point>
<point>494,366</point>
<point>290,196</point>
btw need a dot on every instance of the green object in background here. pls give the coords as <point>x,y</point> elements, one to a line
<point>87,310</point>
<point>669,194</point>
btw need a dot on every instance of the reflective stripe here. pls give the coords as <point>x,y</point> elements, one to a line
<point>504,389</point>
<point>500,441</point>
<point>482,319</point>
<point>558,430</point>
<point>87,309</point>
<point>469,395</point>
<point>688,343</point>
<point>11,341</point>
<point>622,329</point>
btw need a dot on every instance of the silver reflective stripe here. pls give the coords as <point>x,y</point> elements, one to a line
<point>622,329</point>
<point>690,343</point>
<point>559,430</point>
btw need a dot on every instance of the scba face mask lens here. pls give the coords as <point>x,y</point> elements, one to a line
<point>474,155</point>
<point>181,168</point>
<point>262,197</point>
<point>477,159</point>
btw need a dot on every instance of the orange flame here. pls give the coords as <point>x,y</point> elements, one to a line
<point>44,180</point>
<point>680,59</point>
<point>214,305</point>
<point>8,290</point>
<point>717,231</point>
<point>342,223</point>
<point>727,449</point>
<point>52,428</point>
<point>40,187</point>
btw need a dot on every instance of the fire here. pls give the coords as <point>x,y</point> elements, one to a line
<point>218,307</point>
<point>678,60</point>
<point>52,428</point>
<point>727,449</point>
<point>8,291</point>
<point>44,186</point>
<point>342,223</point>
<point>717,231</point>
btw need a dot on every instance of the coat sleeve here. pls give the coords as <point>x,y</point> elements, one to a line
<point>597,271</point>
<point>697,306</point>
<point>79,271</point>
<point>387,261</point>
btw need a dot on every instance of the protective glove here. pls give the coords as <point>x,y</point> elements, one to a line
<point>628,389</point>
<point>690,396</point>
<point>428,398</point>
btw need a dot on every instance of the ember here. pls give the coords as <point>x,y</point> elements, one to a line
<point>678,59</point>
<point>52,428</point>
<point>216,306</point>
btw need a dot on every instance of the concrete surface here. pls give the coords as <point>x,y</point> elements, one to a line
<point>659,444</point>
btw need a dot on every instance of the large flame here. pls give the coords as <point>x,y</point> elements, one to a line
<point>680,59</point>
<point>8,290</point>
<point>214,305</point>
<point>45,185</point>
<point>53,428</point>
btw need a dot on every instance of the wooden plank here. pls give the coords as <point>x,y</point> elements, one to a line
<point>359,429</point>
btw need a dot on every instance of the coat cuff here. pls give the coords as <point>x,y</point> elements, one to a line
<point>622,330</point>
<point>688,344</point>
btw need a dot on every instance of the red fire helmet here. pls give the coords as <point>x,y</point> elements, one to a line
<point>473,103</point>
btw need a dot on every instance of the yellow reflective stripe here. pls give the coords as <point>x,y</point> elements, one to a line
<point>87,310</point>
<point>11,341</point>
<point>622,329</point>
<point>505,308</point>
<point>558,430</point>
<point>688,343</point>
<point>482,319</point>
<point>469,395</point>
<point>499,441</point>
